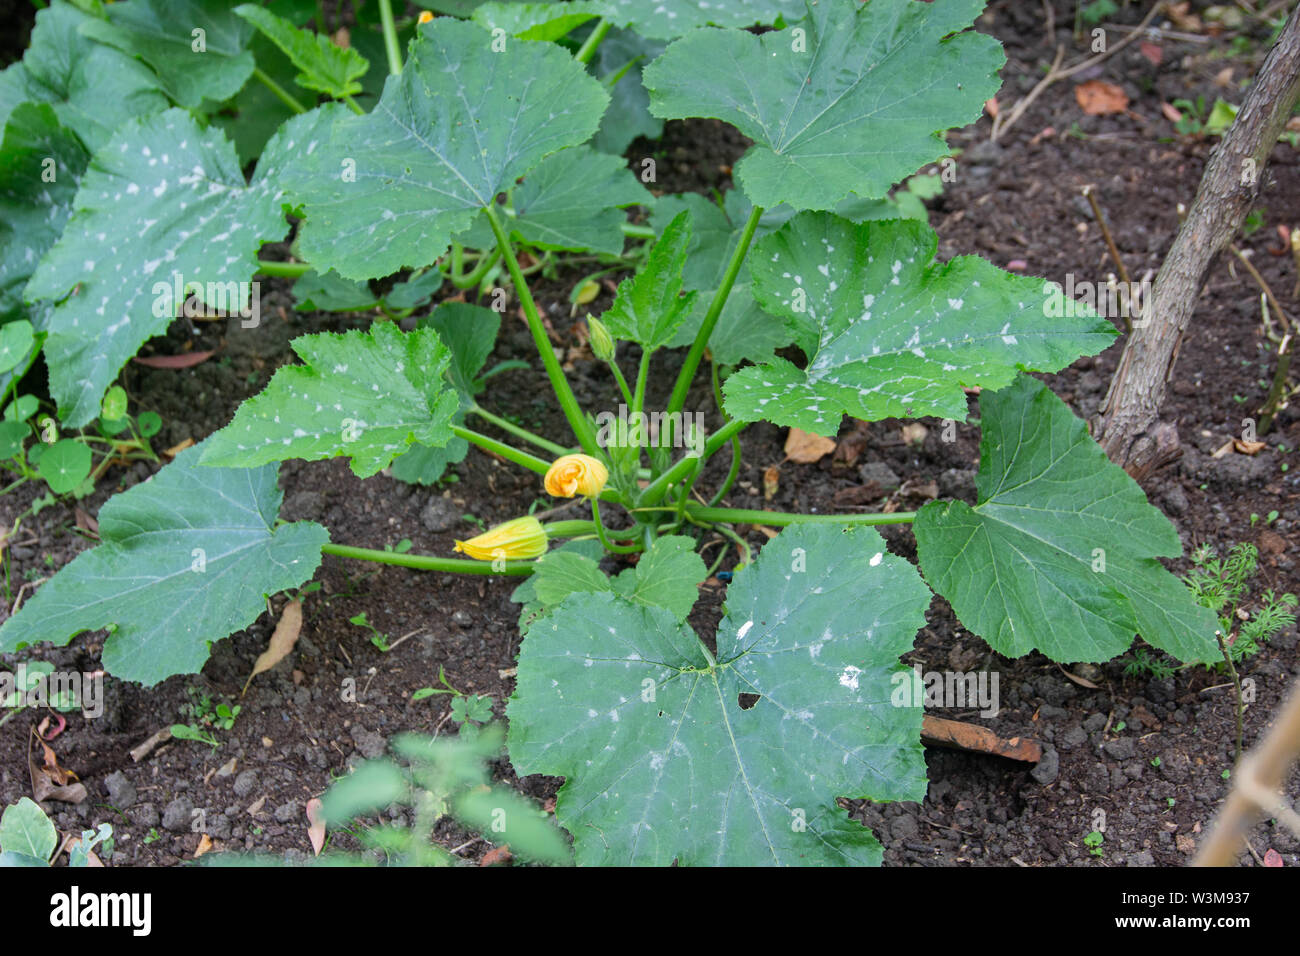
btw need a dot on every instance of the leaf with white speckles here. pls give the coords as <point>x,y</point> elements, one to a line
<point>93,88</point>
<point>162,205</point>
<point>663,762</point>
<point>666,19</point>
<point>458,126</point>
<point>184,559</point>
<point>1059,555</point>
<point>197,48</point>
<point>852,104</point>
<point>41,163</point>
<point>890,333</point>
<point>545,21</point>
<point>367,395</point>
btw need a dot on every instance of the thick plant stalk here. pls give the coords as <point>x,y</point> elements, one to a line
<point>1126,425</point>
<point>1257,788</point>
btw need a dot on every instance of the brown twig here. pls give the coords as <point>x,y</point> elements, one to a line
<point>1056,73</point>
<point>1254,273</point>
<point>1090,194</point>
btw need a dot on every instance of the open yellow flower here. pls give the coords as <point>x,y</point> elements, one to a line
<point>515,540</point>
<point>576,475</point>
<point>424,17</point>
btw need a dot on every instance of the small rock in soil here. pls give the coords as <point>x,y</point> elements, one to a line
<point>177,815</point>
<point>1175,500</point>
<point>462,618</point>
<point>287,812</point>
<point>879,473</point>
<point>439,515</point>
<point>121,791</point>
<point>245,783</point>
<point>1121,748</point>
<point>1048,767</point>
<point>368,742</point>
<point>958,483</point>
<point>145,815</point>
<point>1076,736</point>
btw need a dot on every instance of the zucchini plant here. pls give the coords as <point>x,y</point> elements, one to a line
<point>809,292</point>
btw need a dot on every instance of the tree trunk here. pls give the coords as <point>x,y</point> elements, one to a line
<point>1126,424</point>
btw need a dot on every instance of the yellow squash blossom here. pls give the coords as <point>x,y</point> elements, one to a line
<point>516,540</point>
<point>424,17</point>
<point>576,475</point>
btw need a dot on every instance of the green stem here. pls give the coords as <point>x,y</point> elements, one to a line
<point>521,458</point>
<point>782,518</point>
<point>390,37</point>
<point>427,562</point>
<point>509,426</point>
<point>734,471</point>
<point>604,539</point>
<point>283,95</point>
<point>728,533</point>
<point>282,270</point>
<point>654,492</point>
<point>722,436</point>
<point>687,373</point>
<point>568,401</point>
<point>588,48</point>
<point>633,231</point>
<point>352,104</point>
<point>642,374</point>
<point>471,279</point>
<point>622,382</point>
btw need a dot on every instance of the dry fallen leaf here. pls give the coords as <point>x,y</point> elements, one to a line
<point>771,481</point>
<point>498,854</point>
<point>806,447</point>
<point>1272,857</point>
<point>991,107</point>
<point>1249,447</point>
<point>316,824</point>
<point>1099,98</point>
<point>205,844</point>
<point>282,641</point>
<point>1171,112</point>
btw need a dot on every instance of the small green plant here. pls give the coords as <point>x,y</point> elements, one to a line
<point>468,711</point>
<point>377,637</point>
<point>1093,842</point>
<point>206,715</point>
<point>1223,586</point>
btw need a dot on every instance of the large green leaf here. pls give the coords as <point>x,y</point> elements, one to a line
<point>663,761</point>
<point>545,21</point>
<point>620,59</point>
<point>571,200</point>
<point>890,333</point>
<point>197,48</point>
<point>93,88</point>
<point>648,308</point>
<point>666,19</point>
<point>368,395</point>
<point>1059,554</point>
<point>162,205</point>
<point>41,163</point>
<point>184,560</point>
<point>455,128</point>
<point>324,66</point>
<point>852,104</point>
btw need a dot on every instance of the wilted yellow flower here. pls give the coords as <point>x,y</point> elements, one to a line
<point>515,540</point>
<point>424,17</point>
<point>576,475</point>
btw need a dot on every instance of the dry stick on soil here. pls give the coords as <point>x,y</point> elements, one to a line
<point>1236,685</point>
<point>1258,781</point>
<point>1004,121</point>
<point>1090,194</point>
<point>1126,424</point>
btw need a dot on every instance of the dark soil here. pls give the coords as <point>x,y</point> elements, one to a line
<point>1151,754</point>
